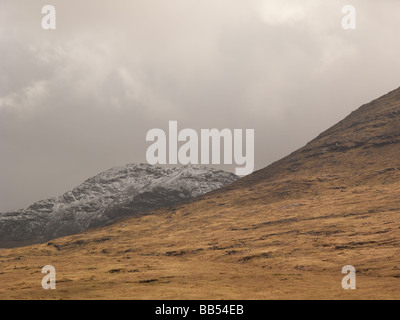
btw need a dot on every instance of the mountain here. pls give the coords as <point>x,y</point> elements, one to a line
<point>111,195</point>
<point>283,232</point>
<point>367,140</point>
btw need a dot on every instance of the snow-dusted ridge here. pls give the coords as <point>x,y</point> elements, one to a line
<point>129,190</point>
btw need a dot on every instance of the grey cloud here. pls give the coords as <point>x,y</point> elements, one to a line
<point>81,99</point>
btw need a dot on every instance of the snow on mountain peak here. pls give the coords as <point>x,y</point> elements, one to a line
<point>129,190</point>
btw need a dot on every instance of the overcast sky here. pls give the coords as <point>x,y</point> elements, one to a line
<point>80,99</point>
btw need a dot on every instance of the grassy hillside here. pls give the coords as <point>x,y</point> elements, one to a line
<point>284,232</point>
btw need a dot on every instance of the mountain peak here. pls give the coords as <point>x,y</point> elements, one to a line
<point>130,190</point>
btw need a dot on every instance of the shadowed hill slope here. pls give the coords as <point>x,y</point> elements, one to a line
<point>285,231</point>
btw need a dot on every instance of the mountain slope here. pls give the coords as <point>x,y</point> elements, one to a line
<point>284,232</point>
<point>116,193</point>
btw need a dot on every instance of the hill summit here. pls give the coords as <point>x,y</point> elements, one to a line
<point>131,190</point>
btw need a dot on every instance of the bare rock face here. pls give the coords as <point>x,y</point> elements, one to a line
<point>131,190</point>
